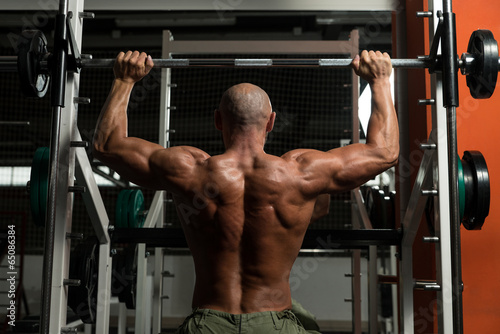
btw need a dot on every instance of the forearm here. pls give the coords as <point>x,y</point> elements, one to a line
<point>112,122</point>
<point>383,130</point>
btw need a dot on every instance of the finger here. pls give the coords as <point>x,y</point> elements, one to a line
<point>140,58</point>
<point>127,56</point>
<point>135,58</point>
<point>355,63</point>
<point>149,63</point>
<point>365,56</point>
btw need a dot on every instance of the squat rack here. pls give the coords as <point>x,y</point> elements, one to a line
<point>65,137</point>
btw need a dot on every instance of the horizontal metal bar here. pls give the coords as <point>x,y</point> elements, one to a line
<point>9,63</point>
<point>314,239</point>
<point>338,62</point>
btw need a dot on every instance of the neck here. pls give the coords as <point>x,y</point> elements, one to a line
<point>249,142</point>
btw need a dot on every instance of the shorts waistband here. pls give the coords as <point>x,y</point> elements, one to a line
<point>246,316</point>
<point>275,317</point>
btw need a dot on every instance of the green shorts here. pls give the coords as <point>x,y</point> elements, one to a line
<point>211,321</point>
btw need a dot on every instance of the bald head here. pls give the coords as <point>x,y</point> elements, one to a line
<point>245,105</point>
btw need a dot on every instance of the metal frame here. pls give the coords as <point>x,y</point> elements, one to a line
<point>220,6</point>
<point>437,171</point>
<point>59,217</point>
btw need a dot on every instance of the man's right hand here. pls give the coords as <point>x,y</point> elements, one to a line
<point>131,67</point>
<point>372,66</point>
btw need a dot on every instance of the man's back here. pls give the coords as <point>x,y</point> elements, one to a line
<point>244,220</point>
<point>244,212</point>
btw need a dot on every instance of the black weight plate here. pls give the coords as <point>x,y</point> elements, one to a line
<point>484,48</point>
<point>84,265</point>
<point>31,49</point>
<point>477,188</point>
<point>129,292</point>
<point>118,275</point>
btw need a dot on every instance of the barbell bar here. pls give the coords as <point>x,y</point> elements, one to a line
<point>480,64</point>
<point>9,63</point>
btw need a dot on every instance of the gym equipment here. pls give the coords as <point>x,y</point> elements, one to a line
<point>124,277</point>
<point>477,190</point>
<point>480,64</point>
<point>38,185</point>
<point>32,49</point>
<point>474,192</point>
<point>82,298</point>
<point>130,211</point>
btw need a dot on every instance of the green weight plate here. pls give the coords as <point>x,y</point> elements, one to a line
<point>34,181</point>
<point>44,183</point>
<point>125,207</point>
<point>136,209</point>
<point>118,209</point>
<point>461,188</point>
<point>121,208</point>
<point>38,217</point>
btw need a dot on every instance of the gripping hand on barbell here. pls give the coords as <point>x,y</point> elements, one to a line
<point>131,67</point>
<point>372,66</point>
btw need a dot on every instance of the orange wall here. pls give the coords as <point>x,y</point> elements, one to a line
<point>478,123</point>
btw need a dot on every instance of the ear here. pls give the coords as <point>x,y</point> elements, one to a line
<point>218,120</point>
<point>270,123</point>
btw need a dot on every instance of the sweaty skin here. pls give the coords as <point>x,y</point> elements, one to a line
<point>244,212</point>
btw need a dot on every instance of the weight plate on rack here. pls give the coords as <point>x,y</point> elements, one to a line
<point>136,215</point>
<point>461,187</point>
<point>31,49</point>
<point>84,266</point>
<point>34,183</point>
<point>130,209</point>
<point>483,79</point>
<point>477,190</point>
<point>121,216</point>
<point>38,185</point>
<point>128,277</point>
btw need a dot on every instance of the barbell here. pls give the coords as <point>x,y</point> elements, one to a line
<point>33,63</point>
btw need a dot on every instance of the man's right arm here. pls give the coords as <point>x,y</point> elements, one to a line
<point>348,167</point>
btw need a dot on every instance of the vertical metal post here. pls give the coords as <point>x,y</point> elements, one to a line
<point>356,291</point>
<point>140,305</point>
<point>450,81</point>
<point>373,289</point>
<point>356,254</point>
<point>58,92</point>
<point>164,140</point>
